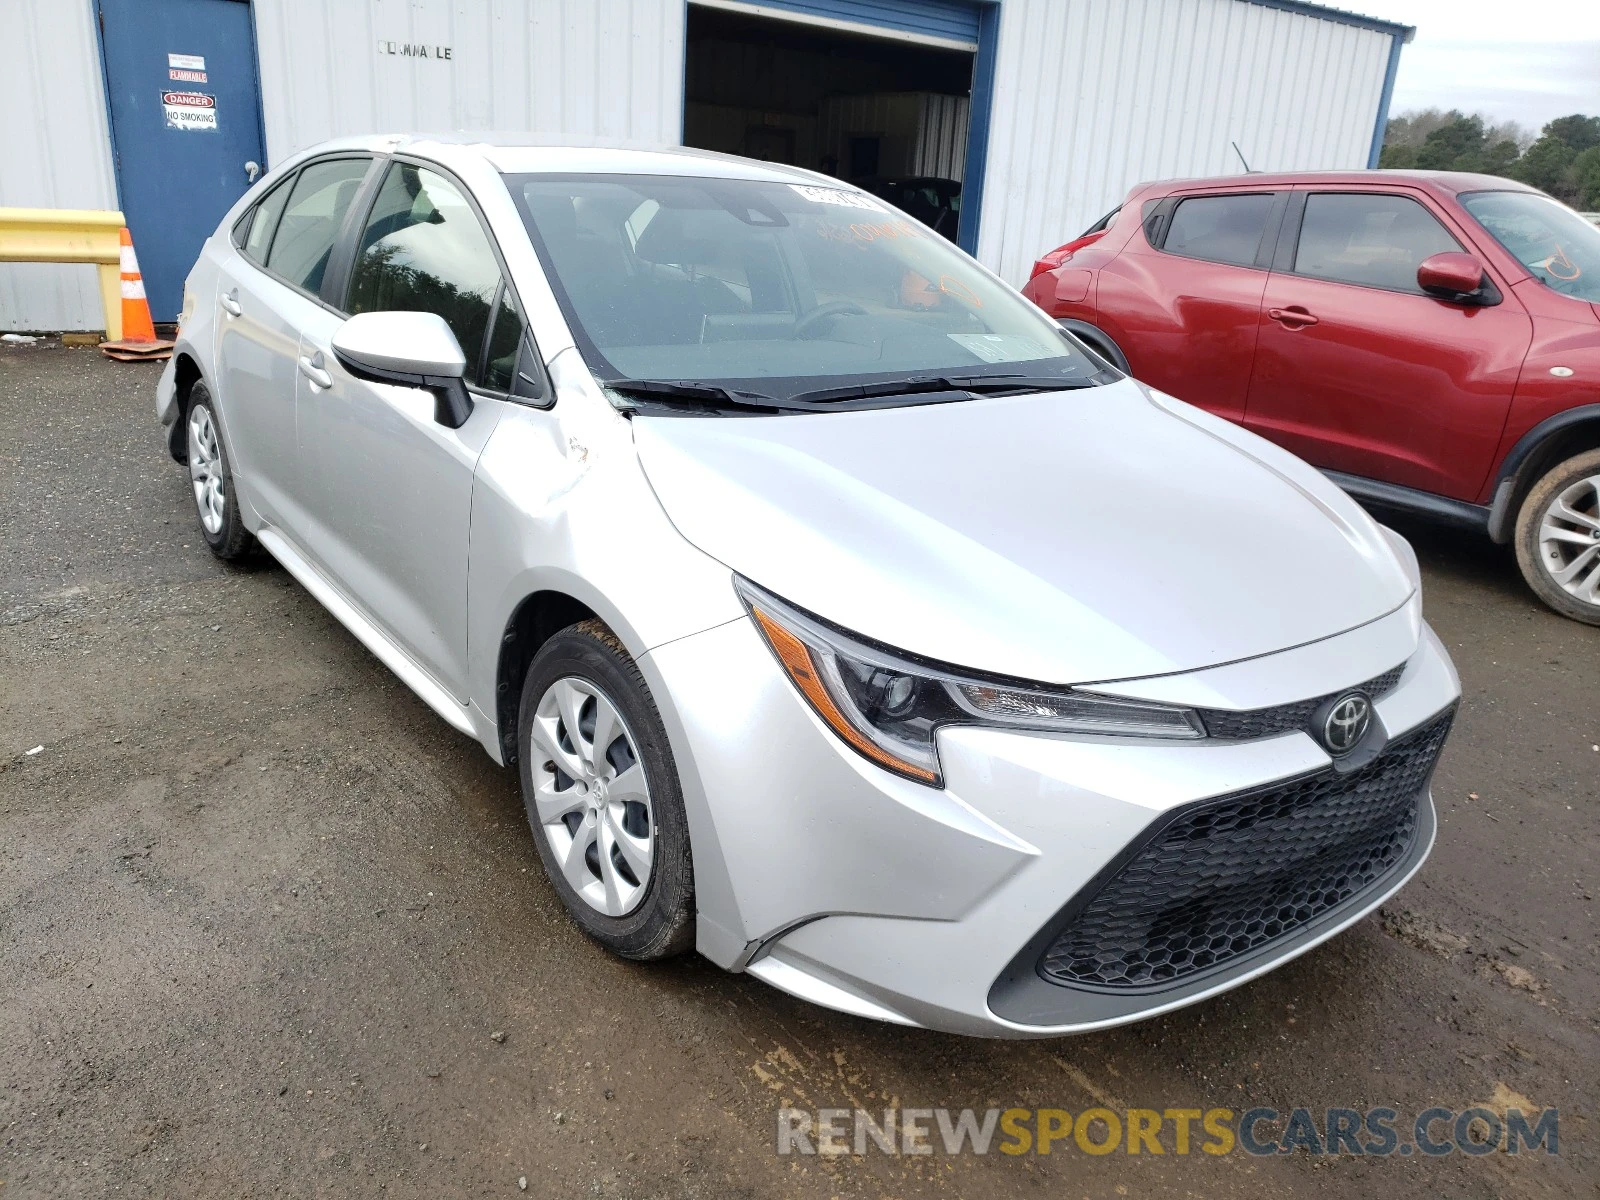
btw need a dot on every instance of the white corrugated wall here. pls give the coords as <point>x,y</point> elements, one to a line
<point>55,152</point>
<point>602,68</point>
<point>1091,97</point>
<point>1094,96</point>
<point>942,139</point>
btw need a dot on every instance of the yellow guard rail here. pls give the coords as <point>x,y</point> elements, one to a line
<point>70,235</point>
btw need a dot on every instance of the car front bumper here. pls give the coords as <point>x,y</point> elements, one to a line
<point>167,394</point>
<point>851,887</point>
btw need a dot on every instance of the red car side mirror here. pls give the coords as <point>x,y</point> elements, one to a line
<point>1451,276</point>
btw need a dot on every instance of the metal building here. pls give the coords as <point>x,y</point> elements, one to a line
<point>1044,111</point>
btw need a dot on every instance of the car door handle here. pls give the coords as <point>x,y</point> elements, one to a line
<point>230,303</point>
<point>1294,316</point>
<point>311,368</point>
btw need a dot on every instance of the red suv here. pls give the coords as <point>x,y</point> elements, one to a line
<point>1430,340</point>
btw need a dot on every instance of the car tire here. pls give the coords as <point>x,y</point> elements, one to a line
<point>589,809</point>
<point>211,480</point>
<point>1558,538</point>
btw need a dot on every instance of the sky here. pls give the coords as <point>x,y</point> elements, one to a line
<point>1527,61</point>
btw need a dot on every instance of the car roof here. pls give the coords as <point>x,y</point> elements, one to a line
<point>1447,183</point>
<point>526,153</point>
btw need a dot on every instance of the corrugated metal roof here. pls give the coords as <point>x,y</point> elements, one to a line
<point>1343,16</point>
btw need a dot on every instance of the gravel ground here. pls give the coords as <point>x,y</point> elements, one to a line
<point>262,914</point>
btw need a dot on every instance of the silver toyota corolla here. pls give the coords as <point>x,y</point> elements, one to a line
<point>846,620</point>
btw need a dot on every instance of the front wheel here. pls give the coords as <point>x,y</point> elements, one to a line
<point>1558,538</point>
<point>602,795</point>
<point>211,480</point>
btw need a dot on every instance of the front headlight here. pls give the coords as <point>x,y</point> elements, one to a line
<point>888,707</point>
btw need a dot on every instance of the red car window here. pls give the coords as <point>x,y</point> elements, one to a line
<point>1368,239</point>
<point>1224,229</point>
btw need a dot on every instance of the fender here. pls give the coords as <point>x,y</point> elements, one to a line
<point>1097,341</point>
<point>1502,516</point>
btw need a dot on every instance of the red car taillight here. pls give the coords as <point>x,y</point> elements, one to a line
<point>1061,254</point>
<point>1050,262</point>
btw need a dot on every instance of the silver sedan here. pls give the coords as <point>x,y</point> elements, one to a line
<point>846,620</point>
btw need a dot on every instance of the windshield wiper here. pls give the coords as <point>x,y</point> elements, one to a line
<point>963,385</point>
<point>709,394</point>
<point>928,389</point>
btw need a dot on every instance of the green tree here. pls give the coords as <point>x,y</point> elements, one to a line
<point>1547,166</point>
<point>1398,158</point>
<point>1563,160</point>
<point>1457,145</point>
<point>1586,175</point>
<point>1500,157</point>
<point>1578,131</point>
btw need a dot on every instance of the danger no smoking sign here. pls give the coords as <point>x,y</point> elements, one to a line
<point>189,110</point>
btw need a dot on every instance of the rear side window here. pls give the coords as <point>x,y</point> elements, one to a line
<point>254,232</point>
<point>1371,240</point>
<point>310,223</point>
<point>1223,229</point>
<point>423,250</point>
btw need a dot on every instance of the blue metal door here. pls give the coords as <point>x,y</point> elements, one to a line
<point>185,120</point>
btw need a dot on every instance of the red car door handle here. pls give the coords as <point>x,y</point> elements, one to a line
<point>1294,317</point>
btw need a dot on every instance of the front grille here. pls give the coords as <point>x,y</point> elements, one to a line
<point>1226,877</point>
<point>1283,718</point>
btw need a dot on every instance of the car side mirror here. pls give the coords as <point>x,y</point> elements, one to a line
<point>1456,277</point>
<point>412,349</point>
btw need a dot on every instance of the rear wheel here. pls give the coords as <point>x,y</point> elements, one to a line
<point>211,480</point>
<point>1558,538</point>
<point>602,795</point>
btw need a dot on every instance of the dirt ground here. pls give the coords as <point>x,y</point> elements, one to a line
<point>261,912</point>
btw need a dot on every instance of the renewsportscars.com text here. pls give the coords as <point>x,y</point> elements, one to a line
<point>1378,1132</point>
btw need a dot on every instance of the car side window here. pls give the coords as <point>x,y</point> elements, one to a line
<point>253,234</point>
<point>503,343</point>
<point>1368,239</point>
<point>310,223</point>
<point>1222,229</point>
<point>509,361</point>
<point>424,250</point>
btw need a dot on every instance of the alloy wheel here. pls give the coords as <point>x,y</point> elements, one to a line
<point>591,796</point>
<point>205,469</point>
<point>1569,540</point>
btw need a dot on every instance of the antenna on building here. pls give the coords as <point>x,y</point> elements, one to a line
<point>1240,153</point>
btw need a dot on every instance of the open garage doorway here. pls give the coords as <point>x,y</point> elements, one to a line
<point>889,109</point>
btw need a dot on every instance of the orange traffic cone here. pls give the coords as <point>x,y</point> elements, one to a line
<point>139,341</point>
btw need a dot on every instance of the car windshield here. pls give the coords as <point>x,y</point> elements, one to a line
<point>1559,247</point>
<point>776,288</point>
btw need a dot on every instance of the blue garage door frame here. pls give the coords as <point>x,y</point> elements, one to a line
<point>963,23</point>
<point>954,20</point>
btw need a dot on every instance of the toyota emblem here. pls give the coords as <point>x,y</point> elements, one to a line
<point>1347,723</point>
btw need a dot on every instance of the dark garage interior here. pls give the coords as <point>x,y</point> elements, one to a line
<point>888,114</point>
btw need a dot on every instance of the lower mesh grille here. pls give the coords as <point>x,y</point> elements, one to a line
<point>1228,876</point>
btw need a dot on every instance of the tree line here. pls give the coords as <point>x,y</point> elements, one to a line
<point>1564,159</point>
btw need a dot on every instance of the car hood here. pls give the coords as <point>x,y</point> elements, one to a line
<point>1066,537</point>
